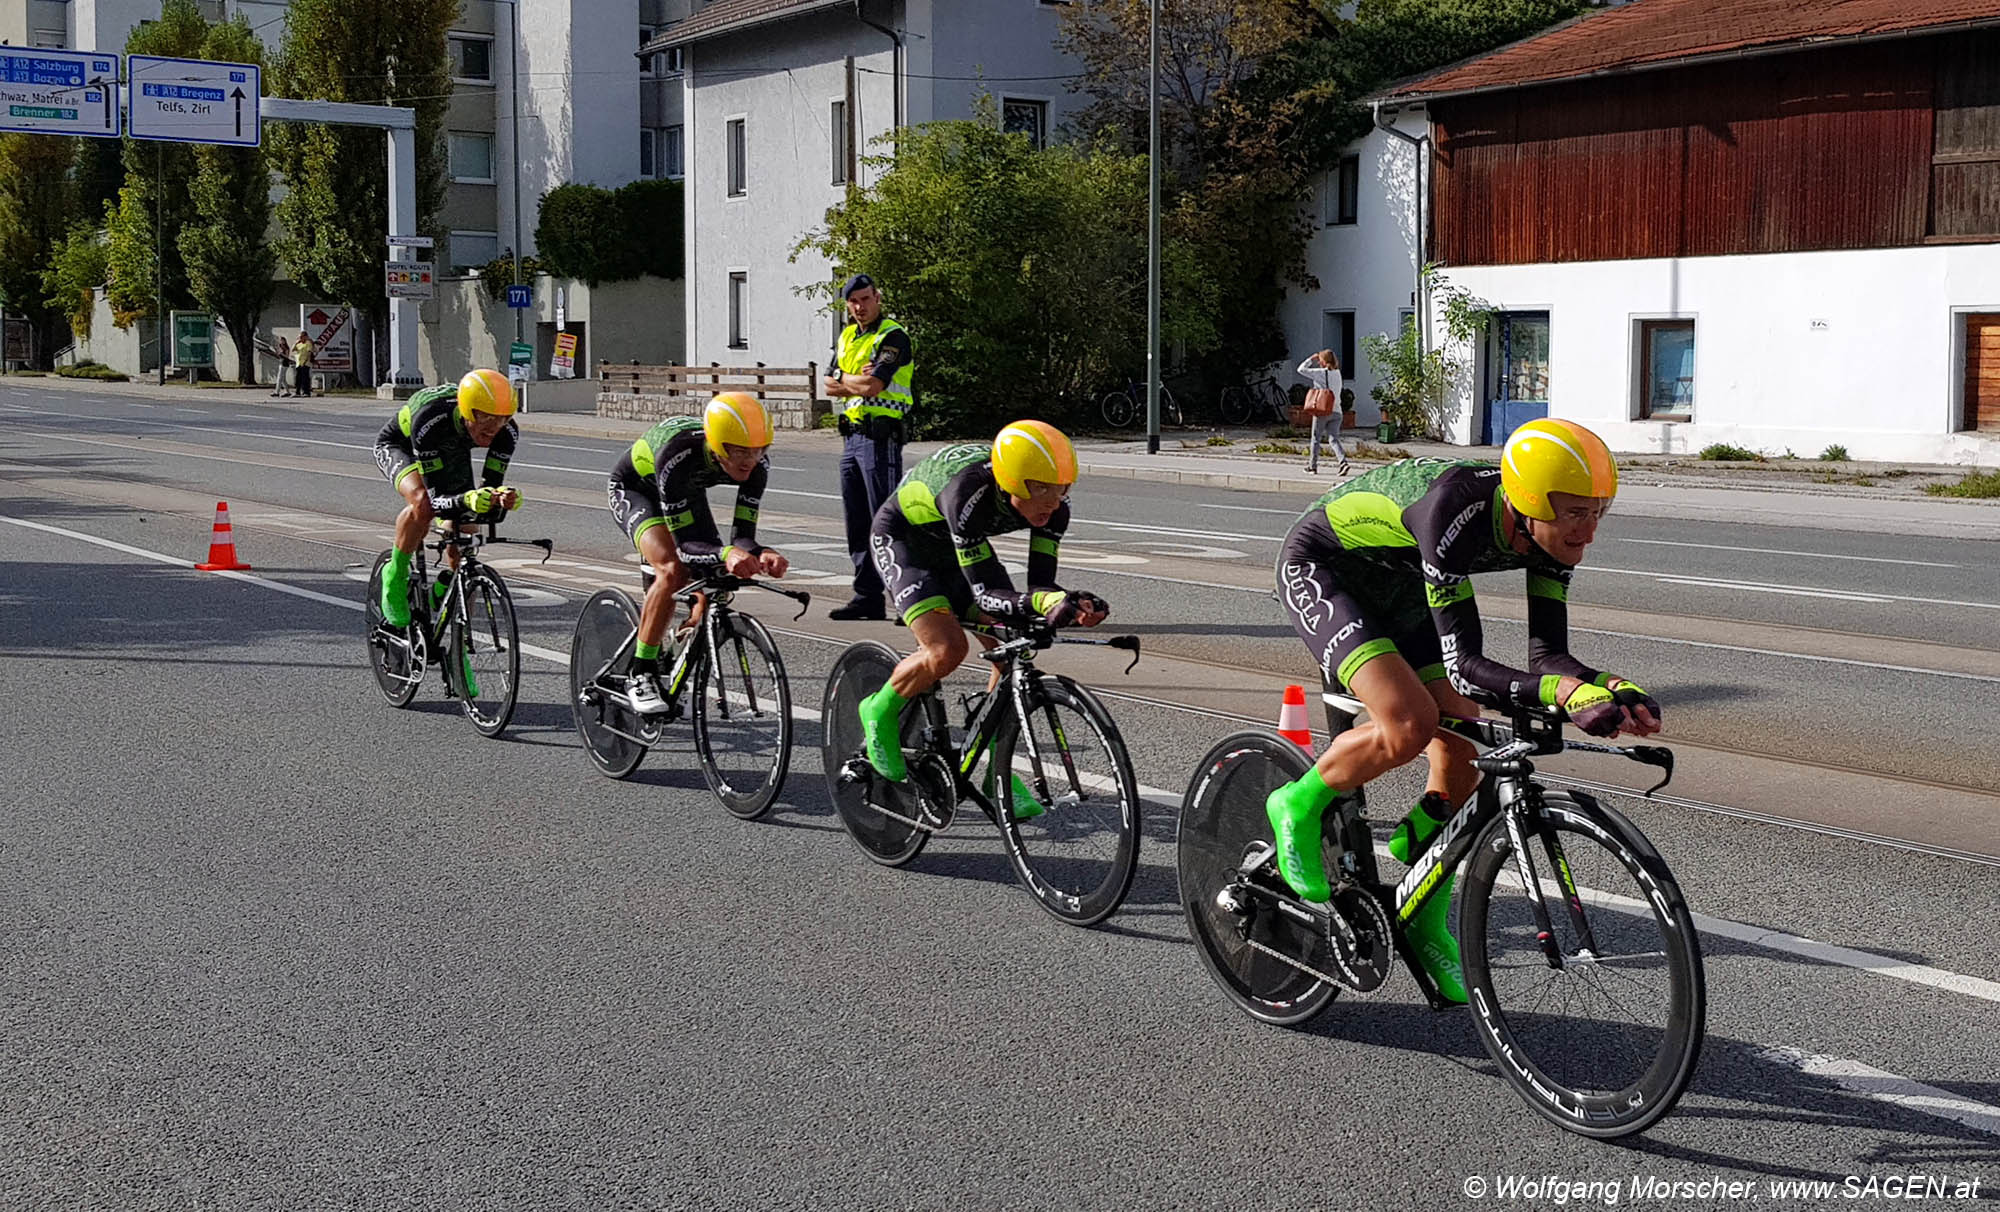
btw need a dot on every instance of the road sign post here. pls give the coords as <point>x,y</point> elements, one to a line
<point>49,92</point>
<point>563,365</point>
<point>193,101</point>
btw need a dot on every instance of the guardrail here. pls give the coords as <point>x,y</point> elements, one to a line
<point>652,393</point>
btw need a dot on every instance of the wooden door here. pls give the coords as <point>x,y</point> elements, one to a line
<point>1982,371</point>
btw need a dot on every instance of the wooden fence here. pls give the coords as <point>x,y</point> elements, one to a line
<point>652,393</point>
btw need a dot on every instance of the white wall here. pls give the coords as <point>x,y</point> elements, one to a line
<point>1367,267</point>
<point>579,99</point>
<point>1883,376</point>
<point>782,79</point>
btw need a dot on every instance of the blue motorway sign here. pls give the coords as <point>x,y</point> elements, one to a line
<point>50,92</point>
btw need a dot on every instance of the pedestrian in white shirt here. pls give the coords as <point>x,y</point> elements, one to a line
<point>1322,372</point>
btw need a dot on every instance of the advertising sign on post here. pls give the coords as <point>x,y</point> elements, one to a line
<point>410,279</point>
<point>563,365</point>
<point>194,340</point>
<point>331,328</point>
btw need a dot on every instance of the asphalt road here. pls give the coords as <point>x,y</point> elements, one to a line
<point>272,944</point>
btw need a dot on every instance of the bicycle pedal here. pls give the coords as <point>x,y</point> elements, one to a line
<point>855,770</point>
<point>1256,856</point>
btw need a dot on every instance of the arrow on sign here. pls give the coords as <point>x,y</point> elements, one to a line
<point>317,317</point>
<point>110,102</point>
<point>238,94</point>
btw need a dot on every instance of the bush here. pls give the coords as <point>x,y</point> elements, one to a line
<point>88,369</point>
<point>1834,454</point>
<point>1975,484</point>
<point>599,235</point>
<point>1725,453</point>
<point>498,274</point>
<point>1219,440</point>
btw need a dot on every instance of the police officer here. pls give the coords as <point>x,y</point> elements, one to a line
<point>871,376</point>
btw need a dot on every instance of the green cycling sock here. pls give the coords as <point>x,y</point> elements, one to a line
<point>1294,811</point>
<point>881,731</point>
<point>1417,827</point>
<point>643,651</point>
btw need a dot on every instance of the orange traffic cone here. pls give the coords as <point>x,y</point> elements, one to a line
<point>222,545</point>
<point>1292,719</point>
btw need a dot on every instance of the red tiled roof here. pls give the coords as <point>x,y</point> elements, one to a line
<point>728,16</point>
<point>1650,33</point>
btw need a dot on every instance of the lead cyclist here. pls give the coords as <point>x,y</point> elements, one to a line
<point>1376,579</point>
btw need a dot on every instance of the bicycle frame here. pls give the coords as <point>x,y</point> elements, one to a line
<point>718,591</point>
<point>1505,794</point>
<point>427,635</point>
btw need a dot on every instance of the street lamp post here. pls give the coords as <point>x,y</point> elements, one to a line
<point>1153,240</point>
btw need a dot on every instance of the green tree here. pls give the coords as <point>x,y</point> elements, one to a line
<point>225,248</point>
<point>154,202</point>
<point>1020,272</point>
<point>604,235</point>
<point>35,192</point>
<point>76,268</point>
<point>336,209</point>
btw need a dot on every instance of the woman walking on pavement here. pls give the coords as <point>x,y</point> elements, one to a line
<point>1322,372</point>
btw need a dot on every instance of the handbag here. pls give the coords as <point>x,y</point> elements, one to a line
<point>1320,402</point>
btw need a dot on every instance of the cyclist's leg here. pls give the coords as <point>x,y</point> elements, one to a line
<point>400,468</point>
<point>931,605</point>
<point>656,613</point>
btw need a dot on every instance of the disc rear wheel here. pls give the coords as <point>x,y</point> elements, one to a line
<point>390,657</point>
<point>879,815</point>
<point>1222,817</point>
<point>609,729</point>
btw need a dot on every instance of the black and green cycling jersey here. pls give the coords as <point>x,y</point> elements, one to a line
<point>428,435</point>
<point>1403,541</point>
<point>663,480</point>
<point>940,520</point>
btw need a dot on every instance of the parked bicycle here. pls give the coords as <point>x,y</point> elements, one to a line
<point>1239,403</point>
<point>1580,957</point>
<point>1125,406</point>
<point>466,628</point>
<point>1077,856</point>
<point>725,661</point>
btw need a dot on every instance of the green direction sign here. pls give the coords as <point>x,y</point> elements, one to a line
<point>41,111</point>
<point>194,339</point>
<point>521,354</point>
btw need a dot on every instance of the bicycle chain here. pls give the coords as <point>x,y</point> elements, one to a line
<point>1301,965</point>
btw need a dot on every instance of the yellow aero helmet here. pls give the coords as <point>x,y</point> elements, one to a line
<point>736,418</point>
<point>485,391</point>
<point>1548,455</point>
<point>1032,450</point>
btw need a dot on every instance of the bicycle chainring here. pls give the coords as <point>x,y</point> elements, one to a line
<point>936,791</point>
<point>1362,960</point>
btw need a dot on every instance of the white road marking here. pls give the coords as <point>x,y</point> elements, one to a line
<point>1884,1086</point>
<point>1809,591</point>
<point>1816,555</point>
<point>1757,936</point>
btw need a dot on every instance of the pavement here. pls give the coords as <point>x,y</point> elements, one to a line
<point>1855,496</point>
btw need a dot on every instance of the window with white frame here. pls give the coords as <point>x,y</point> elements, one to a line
<point>472,250</point>
<point>673,142</point>
<point>738,152</point>
<point>471,157</point>
<point>1343,192</point>
<point>739,288</point>
<point>1666,370</point>
<point>1022,116</point>
<point>471,58</point>
<point>837,124</point>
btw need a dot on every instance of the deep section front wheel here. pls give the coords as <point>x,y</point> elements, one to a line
<point>879,815</point>
<point>488,642</point>
<point>1079,855</point>
<point>1603,1041</point>
<point>390,657</point>
<point>1222,816</point>
<point>743,717</point>
<point>609,729</point>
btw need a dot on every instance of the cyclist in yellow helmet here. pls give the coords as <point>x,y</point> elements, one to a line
<point>1376,579</point>
<point>930,542</point>
<point>659,495</point>
<point>426,452</point>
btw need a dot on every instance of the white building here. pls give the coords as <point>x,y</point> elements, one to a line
<point>782,97</point>
<point>1776,227</point>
